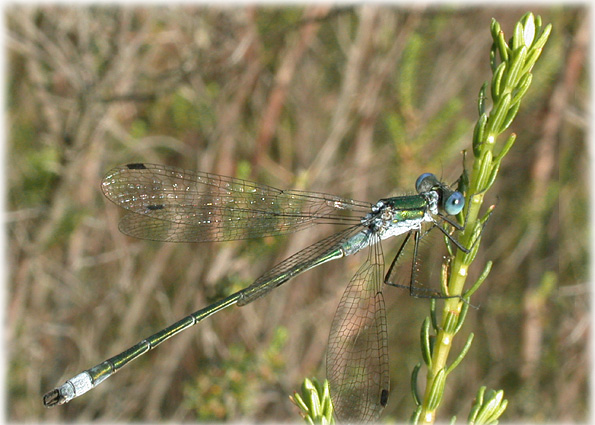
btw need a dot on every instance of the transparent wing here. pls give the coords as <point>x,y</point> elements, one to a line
<point>357,356</point>
<point>176,205</point>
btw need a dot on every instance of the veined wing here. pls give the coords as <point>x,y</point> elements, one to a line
<point>176,205</point>
<point>357,356</point>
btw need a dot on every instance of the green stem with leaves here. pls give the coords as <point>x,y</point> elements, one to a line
<point>511,66</point>
<point>315,402</point>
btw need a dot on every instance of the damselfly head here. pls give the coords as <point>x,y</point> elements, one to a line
<point>451,202</point>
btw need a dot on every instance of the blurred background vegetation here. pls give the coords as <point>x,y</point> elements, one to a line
<point>355,101</point>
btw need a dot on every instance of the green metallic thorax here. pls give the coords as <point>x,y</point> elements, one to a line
<point>405,208</point>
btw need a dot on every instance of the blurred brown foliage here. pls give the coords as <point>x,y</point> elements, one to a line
<point>355,101</point>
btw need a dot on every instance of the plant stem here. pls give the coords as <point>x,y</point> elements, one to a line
<point>510,82</point>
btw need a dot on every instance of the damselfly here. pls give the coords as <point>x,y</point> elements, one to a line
<point>174,205</point>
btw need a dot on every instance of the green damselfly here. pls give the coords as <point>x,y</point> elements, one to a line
<point>175,205</point>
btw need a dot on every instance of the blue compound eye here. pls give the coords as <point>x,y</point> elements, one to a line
<point>425,182</point>
<point>454,203</point>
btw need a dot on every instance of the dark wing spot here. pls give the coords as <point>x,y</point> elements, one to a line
<point>136,166</point>
<point>155,207</point>
<point>383,398</point>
